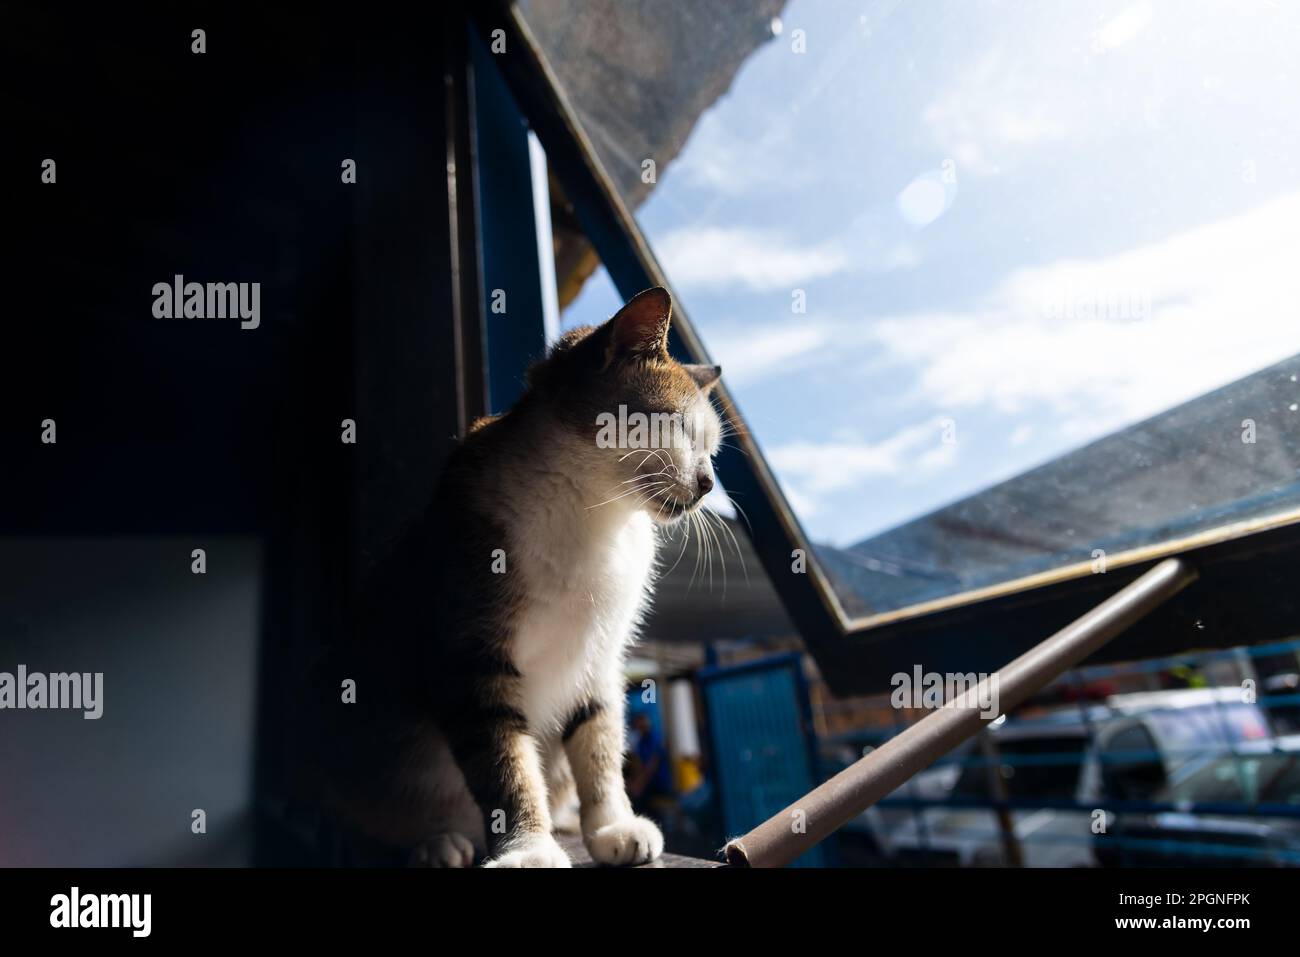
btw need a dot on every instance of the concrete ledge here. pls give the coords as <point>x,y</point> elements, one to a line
<point>572,845</point>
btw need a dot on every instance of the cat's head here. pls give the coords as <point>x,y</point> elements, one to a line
<point>642,423</point>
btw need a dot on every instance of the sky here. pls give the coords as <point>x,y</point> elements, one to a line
<point>1015,228</point>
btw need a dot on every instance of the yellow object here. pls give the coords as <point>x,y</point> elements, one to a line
<point>686,775</point>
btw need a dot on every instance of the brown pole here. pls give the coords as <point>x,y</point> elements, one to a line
<point>998,789</point>
<point>786,835</point>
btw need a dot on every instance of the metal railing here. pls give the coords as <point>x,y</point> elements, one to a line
<point>790,832</point>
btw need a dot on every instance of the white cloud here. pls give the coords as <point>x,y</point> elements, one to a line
<point>814,469</point>
<point>901,256</point>
<point>1024,91</point>
<point>751,354</point>
<point>722,257</point>
<point>1122,29</point>
<point>1203,308</point>
<point>1094,345</point>
<point>729,163</point>
<point>997,106</point>
<point>805,506</point>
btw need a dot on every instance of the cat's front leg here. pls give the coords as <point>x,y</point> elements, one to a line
<point>503,768</point>
<point>593,741</point>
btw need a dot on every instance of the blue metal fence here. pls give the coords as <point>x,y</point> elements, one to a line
<point>761,743</point>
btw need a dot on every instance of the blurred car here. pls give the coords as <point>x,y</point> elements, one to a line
<point>1261,777</point>
<point>1282,698</point>
<point>1071,760</point>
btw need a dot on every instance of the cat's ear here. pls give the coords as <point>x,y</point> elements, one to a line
<point>705,377</point>
<point>641,327</point>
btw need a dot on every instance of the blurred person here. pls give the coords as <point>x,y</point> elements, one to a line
<point>650,785</point>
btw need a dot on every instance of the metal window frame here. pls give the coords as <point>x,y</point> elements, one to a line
<point>1253,562</point>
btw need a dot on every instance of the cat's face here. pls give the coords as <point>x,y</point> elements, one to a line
<point>646,428</point>
<point>663,436</point>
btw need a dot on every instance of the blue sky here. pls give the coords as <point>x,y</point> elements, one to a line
<point>1018,228</point>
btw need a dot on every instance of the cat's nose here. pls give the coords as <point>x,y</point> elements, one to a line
<point>705,482</point>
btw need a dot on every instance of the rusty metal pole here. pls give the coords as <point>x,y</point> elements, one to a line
<point>998,791</point>
<point>786,835</point>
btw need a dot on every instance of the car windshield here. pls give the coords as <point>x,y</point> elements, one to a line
<point>1000,288</point>
<point>1186,732</point>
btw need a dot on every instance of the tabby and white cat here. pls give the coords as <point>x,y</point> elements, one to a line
<point>533,568</point>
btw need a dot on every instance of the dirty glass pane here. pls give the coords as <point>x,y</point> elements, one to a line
<point>999,287</point>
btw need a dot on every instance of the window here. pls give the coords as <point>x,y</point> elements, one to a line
<point>1132,769</point>
<point>1027,306</point>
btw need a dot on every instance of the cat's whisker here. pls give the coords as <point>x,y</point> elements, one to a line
<point>686,540</point>
<point>621,494</point>
<point>741,512</point>
<point>744,566</point>
<point>716,547</point>
<point>700,545</point>
<point>646,457</point>
<point>640,483</point>
<point>703,550</point>
<point>646,475</point>
<point>658,453</point>
<point>626,493</point>
<point>728,431</point>
<point>659,490</point>
<point>651,495</point>
<point>735,545</point>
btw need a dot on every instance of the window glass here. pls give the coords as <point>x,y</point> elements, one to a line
<point>1000,288</point>
<point>1274,779</point>
<point>1188,731</point>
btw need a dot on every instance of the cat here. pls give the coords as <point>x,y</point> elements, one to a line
<point>502,695</point>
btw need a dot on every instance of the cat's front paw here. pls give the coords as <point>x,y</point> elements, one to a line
<point>631,840</point>
<point>539,851</point>
<point>448,849</point>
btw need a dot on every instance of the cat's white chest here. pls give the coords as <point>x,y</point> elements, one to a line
<point>585,589</point>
